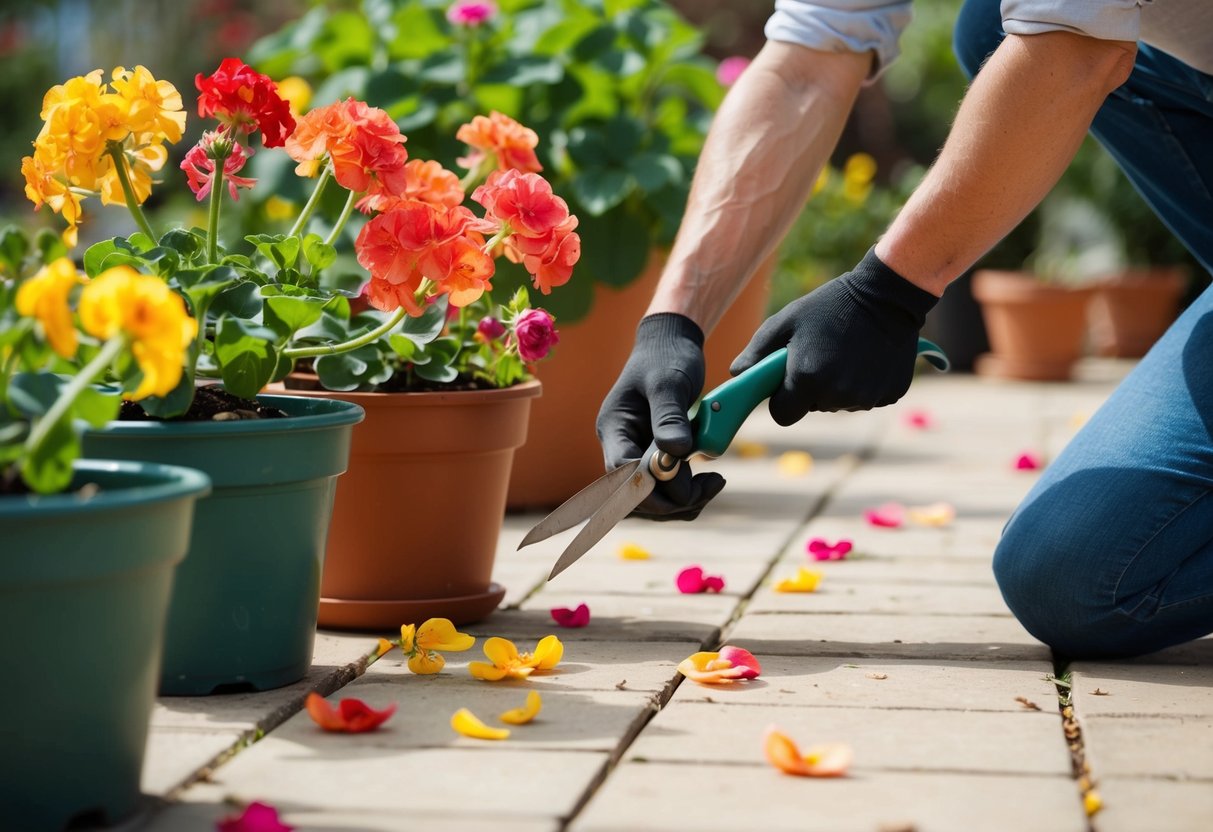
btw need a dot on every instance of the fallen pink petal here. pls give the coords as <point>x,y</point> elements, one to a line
<point>819,548</point>
<point>577,617</point>
<point>692,581</point>
<point>742,658</point>
<point>886,516</point>
<point>1028,461</point>
<point>256,817</point>
<point>918,419</point>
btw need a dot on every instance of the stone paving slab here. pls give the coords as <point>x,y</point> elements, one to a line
<point>1168,747</point>
<point>657,797</point>
<point>202,816</point>
<point>1141,805</point>
<point>627,618</point>
<point>861,569</point>
<point>933,638</point>
<point>989,742</point>
<point>1142,690</point>
<point>881,599</point>
<point>789,681</point>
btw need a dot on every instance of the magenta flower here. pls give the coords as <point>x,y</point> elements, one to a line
<point>1028,461</point>
<point>887,516</point>
<point>199,167</point>
<point>535,333</point>
<point>256,817</point>
<point>821,549</point>
<point>730,70</point>
<point>566,617</point>
<point>471,13</point>
<point>692,581</point>
<point>490,329</point>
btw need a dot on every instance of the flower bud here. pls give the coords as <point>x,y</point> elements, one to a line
<point>490,329</point>
<point>535,333</point>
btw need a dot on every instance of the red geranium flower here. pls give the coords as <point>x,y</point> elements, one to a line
<point>246,100</point>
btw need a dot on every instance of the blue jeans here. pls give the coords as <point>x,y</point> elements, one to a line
<point>1111,553</point>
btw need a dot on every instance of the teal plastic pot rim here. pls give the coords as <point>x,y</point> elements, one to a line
<point>154,482</point>
<point>303,413</point>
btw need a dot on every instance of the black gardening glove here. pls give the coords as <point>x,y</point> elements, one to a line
<point>649,402</point>
<point>851,342</point>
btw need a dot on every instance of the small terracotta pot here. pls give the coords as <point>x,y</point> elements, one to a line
<point>1036,329</point>
<point>417,513</point>
<point>565,454</point>
<point>1130,311</point>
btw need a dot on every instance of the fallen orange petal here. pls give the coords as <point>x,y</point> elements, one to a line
<point>383,647</point>
<point>709,668</point>
<point>820,761</point>
<point>523,715</point>
<point>465,722</point>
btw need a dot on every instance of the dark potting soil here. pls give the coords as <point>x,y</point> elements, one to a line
<point>211,404</point>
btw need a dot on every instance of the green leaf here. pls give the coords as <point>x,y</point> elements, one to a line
<point>597,41</point>
<point>524,70</point>
<point>286,314</point>
<point>50,245</point>
<point>279,249</point>
<point>403,347</point>
<point>653,171</point>
<point>623,135</point>
<point>587,146</point>
<point>601,189</point>
<point>349,82</point>
<point>418,33</point>
<point>621,63</point>
<point>346,371</point>
<point>97,407</point>
<point>614,249</point>
<point>32,394</point>
<point>443,68</point>
<point>177,401</point>
<point>246,356</point>
<point>346,40</point>
<point>185,243</point>
<point>242,300</point>
<point>428,326</point>
<point>49,468</point>
<point>698,81</point>
<point>573,32</point>
<point>318,253</point>
<point>14,247</point>
<point>107,254</point>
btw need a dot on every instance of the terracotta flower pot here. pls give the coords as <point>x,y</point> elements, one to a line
<point>1130,311</point>
<point>416,519</point>
<point>1036,329</point>
<point>565,454</point>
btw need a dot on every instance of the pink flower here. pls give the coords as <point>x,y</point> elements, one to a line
<point>820,549</point>
<point>887,516</point>
<point>692,581</point>
<point>919,419</point>
<point>199,167</point>
<point>489,328</point>
<point>536,334</point>
<point>471,13</point>
<point>566,617</point>
<point>730,70</point>
<point>256,817</point>
<point>1028,461</point>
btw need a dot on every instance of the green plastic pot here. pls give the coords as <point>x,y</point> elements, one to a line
<point>84,588</point>
<point>243,613</point>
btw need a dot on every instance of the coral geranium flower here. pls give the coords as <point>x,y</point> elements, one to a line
<point>499,138</point>
<point>461,270</point>
<point>524,201</point>
<point>351,716</point>
<point>245,100</point>
<point>425,181</point>
<point>505,660</point>
<point>364,145</point>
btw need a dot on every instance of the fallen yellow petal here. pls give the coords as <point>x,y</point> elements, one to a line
<point>383,647</point>
<point>487,672</point>
<point>523,715</point>
<point>440,634</point>
<point>936,514</point>
<point>633,551</point>
<point>407,632</point>
<point>795,463</point>
<point>466,723</point>
<point>805,580</point>
<point>1078,418</point>
<point>548,653</point>
<point>749,450</point>
<point>1092,802</point>
<point>501,651</point>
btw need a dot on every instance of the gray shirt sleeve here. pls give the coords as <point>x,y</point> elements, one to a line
<point>842,26</point>
<point>1103,19</point>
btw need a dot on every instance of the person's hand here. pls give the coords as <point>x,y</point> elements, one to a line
<point>649,403</point>
<point>851,342</point>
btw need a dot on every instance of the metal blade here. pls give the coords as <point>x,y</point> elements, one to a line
<point>581,505</point>
<point>618,506</point>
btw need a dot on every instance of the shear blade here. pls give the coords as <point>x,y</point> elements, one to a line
<point>616,507</point>
<point>581,505</point>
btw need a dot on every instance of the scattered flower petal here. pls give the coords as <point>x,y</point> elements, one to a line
<point>821,549</point>
<point>523,715</point>
<point>633,551</point>
<point>936,514</point>
<point>1092,802</point>
<point>886,516</point>
<point>918,419</point>
<point>440,634</point>
<point>465,722</point>
<point>691,581</point>
<point>566,617</point>
<point>383,647</point>
<point>819,761</point>
<point>1028,461</point>
<point>746,449</point>
<point>504,660</point>
<point>351,716</point>
<point>795,463</point>
<point>729,665</point>
<point>805,580</point>
<point>256,817</point>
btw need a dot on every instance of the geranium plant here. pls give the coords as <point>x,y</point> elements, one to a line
<point>262,303</point>
<point>620,91</point>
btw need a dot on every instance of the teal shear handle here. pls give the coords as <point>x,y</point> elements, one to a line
<point>719,414</point>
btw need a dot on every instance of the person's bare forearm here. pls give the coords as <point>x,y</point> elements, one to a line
<point>770,139</point>
<point>1017,129</point>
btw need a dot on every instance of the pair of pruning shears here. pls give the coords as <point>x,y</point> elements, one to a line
<point>715,420</point>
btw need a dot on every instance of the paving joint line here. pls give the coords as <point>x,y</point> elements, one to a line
<point>1080,767</point>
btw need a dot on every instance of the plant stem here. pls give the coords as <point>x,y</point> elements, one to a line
<point>352,344</point>
<point>492,242</point>
<point>341,220</point>
<point>128,191</point>
<point>109,351</point>
<point>212,234</point>
<point>309,207</point>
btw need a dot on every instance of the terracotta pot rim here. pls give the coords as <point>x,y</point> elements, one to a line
<point>525,390</point>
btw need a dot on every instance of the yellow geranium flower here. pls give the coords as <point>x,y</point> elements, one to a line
<point>43,187</point>
<point>150,314</point>
<point>154,106</point>
<point>504,660</point>
<point>297,92</point>
<point>523,715</point>
<point>45,297</point>
<point>420,643</point>
<point>141,161</point>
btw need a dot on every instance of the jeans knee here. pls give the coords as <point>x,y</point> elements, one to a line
<point>977,33</point>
